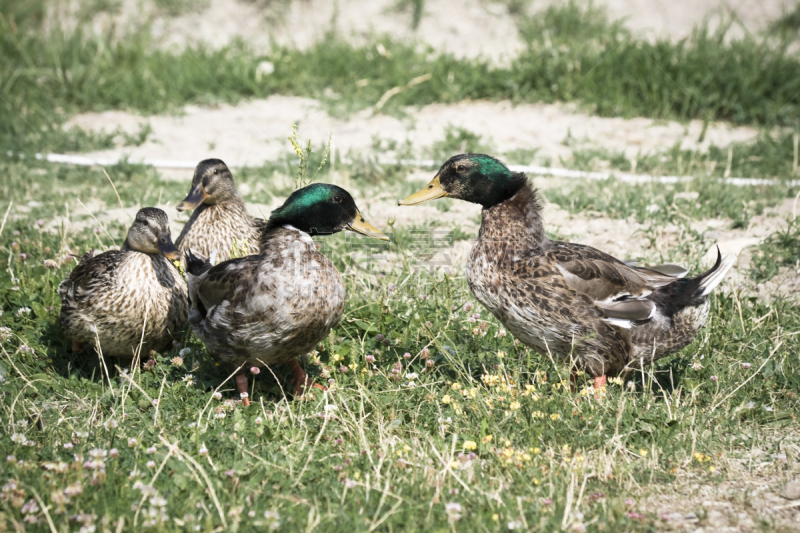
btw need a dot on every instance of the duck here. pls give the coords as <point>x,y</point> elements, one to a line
<point>602,315</point>
<point>119,299</point>
<point>271,308</point>
<point>220,222</point>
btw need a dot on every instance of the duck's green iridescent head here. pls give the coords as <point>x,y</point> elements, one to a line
<point>322,209</point>
<point>476,178</point>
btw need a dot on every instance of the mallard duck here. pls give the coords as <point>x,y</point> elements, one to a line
<point>220,220</point>
<point>109,298</point>
<point>568,299</point>
<point>273,307</point>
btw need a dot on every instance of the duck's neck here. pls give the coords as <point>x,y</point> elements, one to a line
<point>274,233</point>
<point>518,217</point>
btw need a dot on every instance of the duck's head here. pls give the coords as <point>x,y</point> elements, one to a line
<point>212,184</point>
<point>323,209</point>
<point>150,234</point>
<point>476,178</point>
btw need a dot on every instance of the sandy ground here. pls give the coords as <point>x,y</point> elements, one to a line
<point>256,131</point>
<point>466,28</point>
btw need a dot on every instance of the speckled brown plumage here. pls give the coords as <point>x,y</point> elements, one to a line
<point>217,227</point>
<point>572,300</point>
<point>107,296</point>
<point>269,308</point>
<point>220,218</point>
<point>273,307</point>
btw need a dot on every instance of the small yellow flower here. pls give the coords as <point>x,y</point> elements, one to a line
<point>446,399</point>
<point>514,405</point>
<point>470,445</point>
<point>453,464</point>
<point>643,452</point>
<point>501,354</point>
<point>495,517</point>
<point>507,443</point>
<point>555,416</point>
<point>536,451</point>
<point>536,481</point>
<point>456,386</point>
<point>487,439</point>
<point>711,469</point>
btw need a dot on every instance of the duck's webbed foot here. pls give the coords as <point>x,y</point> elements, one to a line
<point>301,381</point>
<point>241,384</point>
<point>599,382</point>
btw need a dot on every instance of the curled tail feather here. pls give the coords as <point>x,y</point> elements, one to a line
<point>714,276</point>
<point>196,265</point>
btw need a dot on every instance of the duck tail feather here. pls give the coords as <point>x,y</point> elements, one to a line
<point>196,265</point>
<point>714,276</point>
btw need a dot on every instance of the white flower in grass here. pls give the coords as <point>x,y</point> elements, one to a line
<point>273,519</point>
<point>185,352</point>
<point>203,451</point>
<point>151,464</point>
<point>453,511</point>
<point>18,438</point>
<point>5,334</point>
<point>217,395</point>
<point>23,311</point>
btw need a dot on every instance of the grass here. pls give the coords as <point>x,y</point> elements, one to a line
<point>472,431</point>
<point>781,249</point>
<point>573,54</point>
<point>484,436</point>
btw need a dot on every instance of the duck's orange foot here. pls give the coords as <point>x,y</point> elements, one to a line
<point>241,384</point>
<point>301,381</point>
<point>599,382</point>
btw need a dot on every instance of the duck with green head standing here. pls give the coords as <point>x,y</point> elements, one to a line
<point>273,307</point>
<point>568,299</point>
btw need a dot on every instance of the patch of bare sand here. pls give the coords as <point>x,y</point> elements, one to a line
<point>675,19</point>
<point>749,494</point>
<point>465,28</point>
<point>255,131</point>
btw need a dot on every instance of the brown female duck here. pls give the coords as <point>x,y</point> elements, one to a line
<point>220,221</point>
<point>571,300</point>
<point>110,298</point>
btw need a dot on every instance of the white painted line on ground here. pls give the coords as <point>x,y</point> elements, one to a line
<point>528,169</point>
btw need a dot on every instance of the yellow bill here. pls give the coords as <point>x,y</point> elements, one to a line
<point>359,225</point>
<point>432,191</point>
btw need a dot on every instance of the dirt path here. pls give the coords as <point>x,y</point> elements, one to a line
<point>256,131</point>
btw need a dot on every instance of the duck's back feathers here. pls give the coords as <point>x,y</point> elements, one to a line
<point>578,302</point>
<point>108,298</point>
<point>265,309</point>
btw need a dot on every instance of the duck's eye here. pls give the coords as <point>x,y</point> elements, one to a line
<point>460,168</point>
<point>146,222</point>
<point>216,171</point>
<point>337,199</point>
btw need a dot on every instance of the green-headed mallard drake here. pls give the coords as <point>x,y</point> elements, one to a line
<point>110,297</point>
<point>571,300</point>
<point>273,307</point>
<point>220,218</point>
